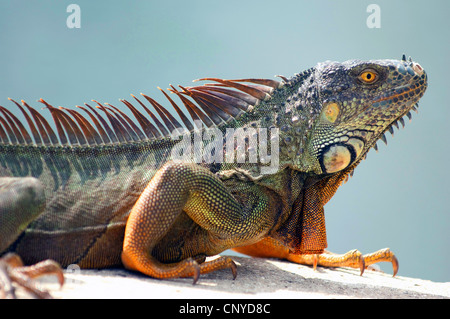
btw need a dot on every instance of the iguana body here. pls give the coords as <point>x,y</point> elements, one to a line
<point>112,194</point>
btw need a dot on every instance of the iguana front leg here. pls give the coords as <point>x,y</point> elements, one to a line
<point>303,240</point>
<point>271,248</point>
<point>184,214</point>
<point>21,201</point>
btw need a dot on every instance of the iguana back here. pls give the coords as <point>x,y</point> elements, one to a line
<point>94,171</point>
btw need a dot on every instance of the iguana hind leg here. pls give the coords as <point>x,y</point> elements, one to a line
<point>269,247</point>
<point>214,216</point>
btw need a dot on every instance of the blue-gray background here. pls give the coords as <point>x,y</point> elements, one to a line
<point>398,198</point>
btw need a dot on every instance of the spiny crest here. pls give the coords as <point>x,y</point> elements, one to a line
<point>214,104</point>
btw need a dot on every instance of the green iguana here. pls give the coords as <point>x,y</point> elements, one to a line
<point>251,171</point>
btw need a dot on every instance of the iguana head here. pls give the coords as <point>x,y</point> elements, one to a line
<point>356,103</point>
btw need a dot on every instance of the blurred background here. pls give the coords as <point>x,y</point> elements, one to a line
<point>398,197</point>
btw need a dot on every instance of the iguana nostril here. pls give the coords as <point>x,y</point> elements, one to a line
<point>417,68</point>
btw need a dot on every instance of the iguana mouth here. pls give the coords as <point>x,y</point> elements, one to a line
<point>399,93</point>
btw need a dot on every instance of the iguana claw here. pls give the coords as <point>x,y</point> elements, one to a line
<point>196,275</point>
<point>362,265</point>
<point>233,269</point>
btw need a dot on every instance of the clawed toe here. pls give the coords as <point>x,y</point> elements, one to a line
<point>355,259</point>
<point>382,255</point>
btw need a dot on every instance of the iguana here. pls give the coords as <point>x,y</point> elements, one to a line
<point>160,193</point>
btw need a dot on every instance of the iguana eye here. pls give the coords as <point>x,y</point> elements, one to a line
<point>368,76</point>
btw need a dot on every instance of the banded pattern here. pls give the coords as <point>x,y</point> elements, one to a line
<point>214,104</point>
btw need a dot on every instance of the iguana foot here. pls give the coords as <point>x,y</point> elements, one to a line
<point>353,259</point>
<point>269,247</point>
<point>216,264</point>
<point>12,271</point>
<point>186,268</point>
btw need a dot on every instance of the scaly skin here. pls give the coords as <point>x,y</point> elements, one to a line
<point>115,194</point>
